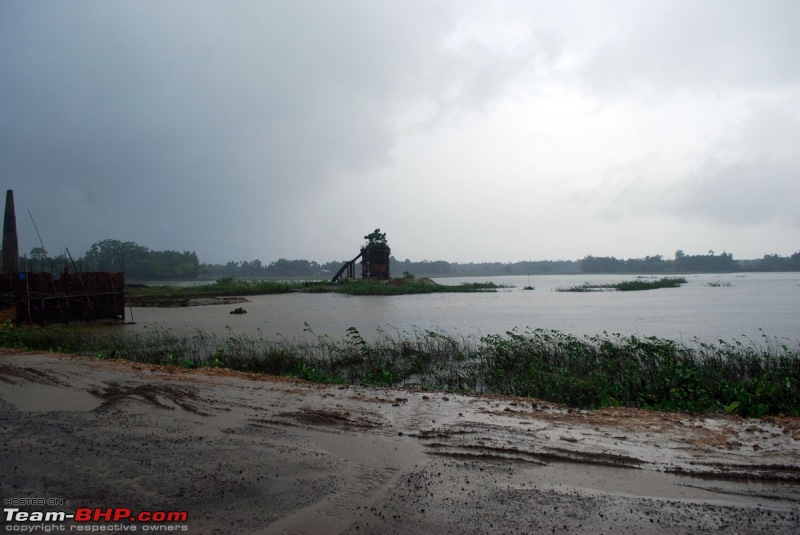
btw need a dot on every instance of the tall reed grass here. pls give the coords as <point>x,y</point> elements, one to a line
<point>747,378</point>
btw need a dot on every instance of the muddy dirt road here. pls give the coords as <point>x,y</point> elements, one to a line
<point>247,454</point>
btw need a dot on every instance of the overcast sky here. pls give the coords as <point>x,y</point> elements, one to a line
<point>465,130</point>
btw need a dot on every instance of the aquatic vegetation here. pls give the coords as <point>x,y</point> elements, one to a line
<point>406,286</point>
<point>592,372</point>
<point>173,295</point>
<point>627,286</point>
<point>746,378</point>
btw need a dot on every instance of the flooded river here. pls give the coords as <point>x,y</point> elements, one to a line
<point>709,307</point>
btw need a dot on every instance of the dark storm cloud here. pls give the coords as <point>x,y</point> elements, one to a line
<point>193,119</point>
<point>270,129</point>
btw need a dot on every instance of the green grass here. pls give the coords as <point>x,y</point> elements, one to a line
<point>591,372</point>
<point>740,377</point>
<point>171,295</point>
<point>404,286</point>
<point>627,286</point>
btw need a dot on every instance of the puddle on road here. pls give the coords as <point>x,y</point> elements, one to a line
<point>33,397</point>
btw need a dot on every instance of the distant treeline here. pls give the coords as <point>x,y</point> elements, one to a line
<point>140,263</point>
<point>681,263</point>
<point>137,261</point>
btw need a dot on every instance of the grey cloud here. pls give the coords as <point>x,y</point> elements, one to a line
<point>474,74</point>
<point>715,45</point>
<point>739,193</point>
<point>751,175</point>
<point>747,176</point>
<point>150,107</point>
<point>267,129</point>
<point>206,117</point>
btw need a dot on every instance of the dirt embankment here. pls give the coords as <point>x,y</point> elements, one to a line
<point>251,454</point>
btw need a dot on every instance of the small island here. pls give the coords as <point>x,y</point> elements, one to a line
<point>228,290</point>
<point>375,280</point>
<point>628,286</point>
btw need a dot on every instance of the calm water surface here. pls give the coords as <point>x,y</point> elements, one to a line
<point>749,305</point>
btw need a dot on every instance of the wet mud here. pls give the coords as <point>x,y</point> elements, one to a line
<point>249,454</point>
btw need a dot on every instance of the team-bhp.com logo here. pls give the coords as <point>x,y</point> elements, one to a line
<point>94,519</point>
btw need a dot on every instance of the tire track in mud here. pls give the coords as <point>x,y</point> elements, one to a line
<point>622,438</point>
<point>15,375</point>
<point>494,443</point>
<point>362,487</point>
<point>543,458</point>
<point>482,441</point>
<point>158,395</point>
<point>367,462</point>
<point>343,418</point>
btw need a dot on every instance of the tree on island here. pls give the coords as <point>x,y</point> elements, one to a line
<point>376,240</point>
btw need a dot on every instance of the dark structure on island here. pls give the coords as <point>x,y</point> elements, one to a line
<point>39,298</point>
<point>374,257</point>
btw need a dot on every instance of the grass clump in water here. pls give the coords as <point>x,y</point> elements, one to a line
<point>627,286</point>
<point>405,286</point>
<point>173,295</point>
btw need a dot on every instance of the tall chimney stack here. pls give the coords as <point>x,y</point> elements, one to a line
<point>10,245</point>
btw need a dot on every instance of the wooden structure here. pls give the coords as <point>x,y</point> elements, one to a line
<point>83,297</point>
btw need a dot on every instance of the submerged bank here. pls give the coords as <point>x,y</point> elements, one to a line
<point>744,378</point>
<point>226,288</point>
